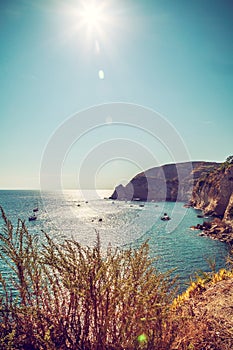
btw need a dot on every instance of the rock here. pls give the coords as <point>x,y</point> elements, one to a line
<point>214,193</point>
<point>122,193</point>
<point>228,215</point>
<point>201,234</point>
<point>170,182</point>
<point>187,205</point>
<point>206,186</point>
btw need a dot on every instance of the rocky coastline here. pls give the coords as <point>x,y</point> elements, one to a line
<point>170,182</point>
<point>207,186</point>
<point>216,229</point>
<point>213,194</point>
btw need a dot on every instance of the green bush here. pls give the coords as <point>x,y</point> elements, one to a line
<point>229,160</point>
<point>75,297</point>
<point>227,164</point>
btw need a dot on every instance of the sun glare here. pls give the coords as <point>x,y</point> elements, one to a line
<point>92,16</point>
<point>94,24</point>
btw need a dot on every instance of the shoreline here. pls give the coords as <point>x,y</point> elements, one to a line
<point>217,230</point>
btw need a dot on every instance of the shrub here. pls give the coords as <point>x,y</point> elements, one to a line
<point>67,296</point>
<point>229,160</point>
<point>75,297</point>
<point>227,164</point>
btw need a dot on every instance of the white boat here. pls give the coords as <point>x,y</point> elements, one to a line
<point>165,217</point>
<point>33,217</point>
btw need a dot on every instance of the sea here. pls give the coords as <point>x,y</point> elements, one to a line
<point>81,215</point>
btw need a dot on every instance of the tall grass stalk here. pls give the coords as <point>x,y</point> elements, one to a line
<point>75,297</point>
<point>67,296</point>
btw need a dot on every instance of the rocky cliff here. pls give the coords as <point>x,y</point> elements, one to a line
<point>206,186</point>
<point>213,193</point>
<point>171,182</point>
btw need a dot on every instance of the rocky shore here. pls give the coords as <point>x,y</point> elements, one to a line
<point>217,229</point>
<point>213,194</point>
<point>207,186</point>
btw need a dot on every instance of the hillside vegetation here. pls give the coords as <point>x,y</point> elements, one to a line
<point>66,296</point>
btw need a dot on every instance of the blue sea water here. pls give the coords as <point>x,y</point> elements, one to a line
<point>81,214</point>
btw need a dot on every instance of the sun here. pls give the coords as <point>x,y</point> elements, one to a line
<point>93,24</point>
<point>92,16</point>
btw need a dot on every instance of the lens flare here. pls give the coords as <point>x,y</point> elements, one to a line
<point>142,338</point>
<point>93,16</point>
<point>101,74</point>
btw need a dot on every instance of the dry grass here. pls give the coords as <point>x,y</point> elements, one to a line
<point>74,297</point>
<point>205,312</point>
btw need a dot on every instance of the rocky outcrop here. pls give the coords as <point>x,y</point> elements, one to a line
<point>217,229</point>
<point>228,216</point>
<point>213,193</point>
<point>171,182</point>
<point>207,313</point>
<point>206,186</point>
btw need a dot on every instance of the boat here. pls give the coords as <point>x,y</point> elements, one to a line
<point>165,217</point>
<point>32,218</point>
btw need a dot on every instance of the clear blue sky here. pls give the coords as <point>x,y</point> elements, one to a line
<point>61,57</point>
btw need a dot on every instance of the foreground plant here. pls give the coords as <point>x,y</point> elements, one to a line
<point>67,296</point>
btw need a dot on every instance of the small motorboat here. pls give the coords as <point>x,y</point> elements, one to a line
<point>32,218</point>
<point>165,217</point>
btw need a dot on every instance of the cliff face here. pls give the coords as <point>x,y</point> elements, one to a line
<point>171,182</point>
<point>213,193</point>
<point>228,216</point>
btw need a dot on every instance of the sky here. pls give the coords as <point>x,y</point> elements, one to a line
<point>93,92</point>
